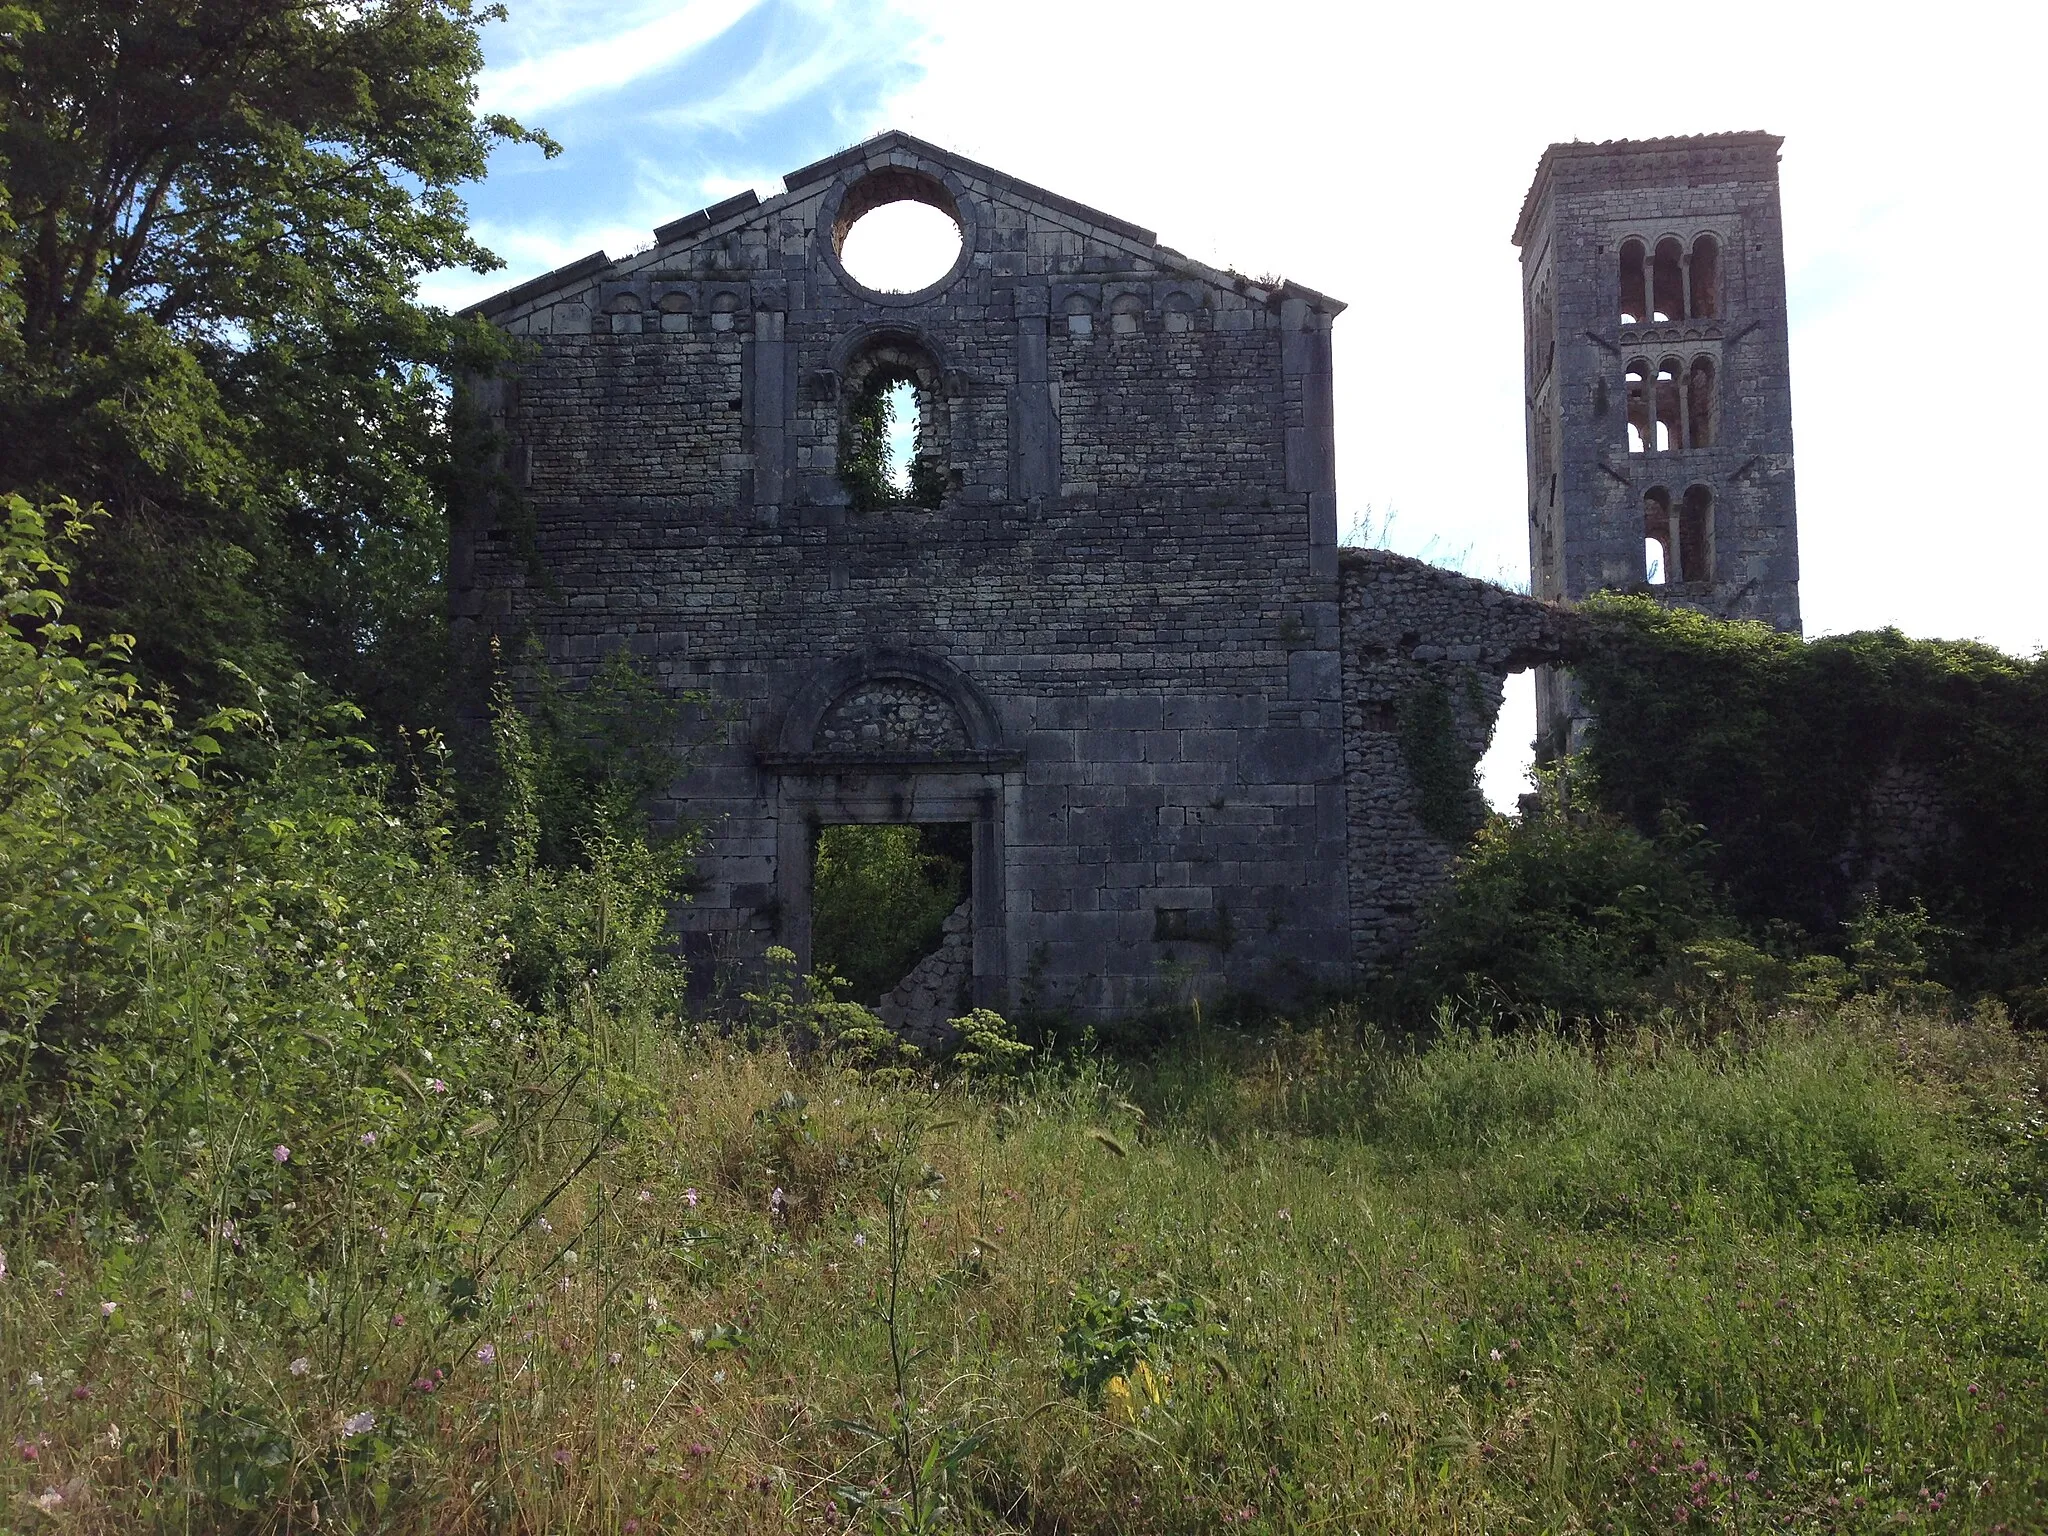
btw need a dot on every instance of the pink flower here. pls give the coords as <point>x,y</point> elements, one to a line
<point>280,1153</point>
<point>690,1198</point>
<point>107,1308</point>
<point>359,1423</point>
<point>435,1085</point>
<point>398,1319</point>
<point>486,1353</point>
<point>562,1458</point>
<point>613,1358</point>
<point>368,1138</point>
<point>423,1384</point>
<point>645,1197</point>
<point>300,1366</point>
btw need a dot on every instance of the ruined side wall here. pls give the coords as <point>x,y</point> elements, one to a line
<point>1413,634</point>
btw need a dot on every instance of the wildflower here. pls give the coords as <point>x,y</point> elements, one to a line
<point>280,1153</point>
<point>718,1378</point>
<point>645,1197</point>
<point>1285,1214</point>
<point>690,1198</point>
<point>359,1423</point>
<point>775,1200</point>
<point>486,1353</point>
<point>81,1393</point>
<point>300,1366</point>
<point>30,1451</point>
<point>107,1308</point>
<point>613,1358</point>
<point>35,1379</point>
<point>697,1337</point>
<point>424,1384</point>
<point>1493,1355</point>
<point>435,1085</point>
<point>860,1239</point>
<point>49,1501</point>
<point>398,1319</point>
<point>368,1138</point>
<point>544,1224</point>
<point>563,1457</point>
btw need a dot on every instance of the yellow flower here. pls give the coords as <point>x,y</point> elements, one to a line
<point>1118,1393</point>
<point>1154,1385</point>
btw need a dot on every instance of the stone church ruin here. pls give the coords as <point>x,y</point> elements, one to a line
<point>1103,621</point>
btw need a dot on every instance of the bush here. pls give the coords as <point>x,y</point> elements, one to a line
<point>1567,911</point>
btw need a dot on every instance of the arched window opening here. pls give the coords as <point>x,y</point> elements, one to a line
<point>1667,299</point>
<point>1670,420</point>
<point>889,453</point>
<point>1696,535</point>
<point>1641,425</point>
<point>1180,314</point>
<point>898,231</point>
<point>1635,306</point>
<point>1700,404</point>
<point>1080,315</point>
<point>1126,315</point>
<point>1660,540</point>
<point>1706,277</point>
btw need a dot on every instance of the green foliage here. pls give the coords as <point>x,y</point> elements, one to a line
<point>1567,911</point>
<point>864,450</point>
<point>879,898</point>
<point>1108,1334</point>
<point>1775,746</point>
<point>217,213</point>
<point>988,1048</point>
<point>1448,802</point>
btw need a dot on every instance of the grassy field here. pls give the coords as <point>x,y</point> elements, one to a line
<point>1790,1278</point>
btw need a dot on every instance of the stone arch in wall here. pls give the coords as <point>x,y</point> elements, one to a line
<point>895,736</point>
<point>870,365</point>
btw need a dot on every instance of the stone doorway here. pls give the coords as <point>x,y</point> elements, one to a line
<point>892,914</point>
<point>898,739</point>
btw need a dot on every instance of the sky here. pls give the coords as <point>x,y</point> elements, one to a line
<point>1379,154</point>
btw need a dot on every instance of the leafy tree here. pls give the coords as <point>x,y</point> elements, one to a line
<point>213,218</point>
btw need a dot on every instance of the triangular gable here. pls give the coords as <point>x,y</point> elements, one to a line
<point>748,210</point>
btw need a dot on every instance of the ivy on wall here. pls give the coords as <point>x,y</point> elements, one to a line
<point>1448,801</point>
<point>1830,772</point>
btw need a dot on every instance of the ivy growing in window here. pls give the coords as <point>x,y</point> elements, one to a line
<point>865,459</point>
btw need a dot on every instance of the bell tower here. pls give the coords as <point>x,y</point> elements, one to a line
<point>1657,379</point>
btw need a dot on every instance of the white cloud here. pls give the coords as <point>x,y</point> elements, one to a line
<point>562,73</point>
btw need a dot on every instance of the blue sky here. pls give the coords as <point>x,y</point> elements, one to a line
<point>1380,153</point>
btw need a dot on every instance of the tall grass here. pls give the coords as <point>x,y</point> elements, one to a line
<point>1789,1280</point>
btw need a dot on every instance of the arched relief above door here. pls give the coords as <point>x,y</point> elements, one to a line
<point>891,714</point>
<point>891,709</point>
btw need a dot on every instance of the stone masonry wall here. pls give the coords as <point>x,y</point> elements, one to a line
<point>922,1005</point>
<point>1409,627</point>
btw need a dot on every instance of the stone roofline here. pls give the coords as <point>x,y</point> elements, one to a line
<point>1615,149</point>
<point>748,206</point>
